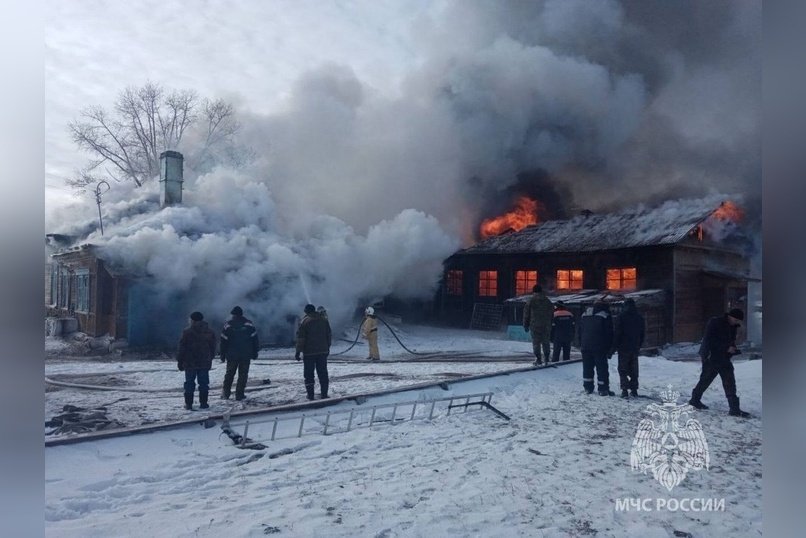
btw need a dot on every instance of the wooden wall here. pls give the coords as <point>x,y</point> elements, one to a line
<point>105,292</point>
<point>699,296</point>
<point>654,266</point>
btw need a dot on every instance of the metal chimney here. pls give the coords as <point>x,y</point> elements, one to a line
<point>170,178</point>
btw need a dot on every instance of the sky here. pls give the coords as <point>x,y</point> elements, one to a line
<point>385,131</point>
<point>249,53</point>
<point>389,100</point>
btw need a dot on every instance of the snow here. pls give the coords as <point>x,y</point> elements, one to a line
<point>467,474</point>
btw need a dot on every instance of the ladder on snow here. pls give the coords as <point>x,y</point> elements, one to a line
<point>344,420</point>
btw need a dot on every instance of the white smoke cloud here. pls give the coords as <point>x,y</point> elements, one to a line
<point>227,245</point>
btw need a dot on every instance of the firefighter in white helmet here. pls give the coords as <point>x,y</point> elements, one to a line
<point>369,331</point>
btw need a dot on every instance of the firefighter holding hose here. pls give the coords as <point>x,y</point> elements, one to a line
<point>369,331</point>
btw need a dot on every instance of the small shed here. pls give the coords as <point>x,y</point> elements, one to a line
<point>651,303</point>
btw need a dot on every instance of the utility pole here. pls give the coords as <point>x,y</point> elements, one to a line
<point>98,193</point>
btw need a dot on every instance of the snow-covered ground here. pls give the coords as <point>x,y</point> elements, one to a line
<point>556,469</point>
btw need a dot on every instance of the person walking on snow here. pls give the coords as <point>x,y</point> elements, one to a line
<point>629,337</point>
<point>538,314</point>
<point>369,331</point>
<point>717,348</point>
<point>595,342</point>
<point>313,342</point>
<point>563,328</point>
<point>239,346</point>
<point>195,358</point>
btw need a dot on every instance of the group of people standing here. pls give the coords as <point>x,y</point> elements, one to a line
<point>553,324</point>
<point>600,336</point>
<point>239,345</point>
<point>197,347</point>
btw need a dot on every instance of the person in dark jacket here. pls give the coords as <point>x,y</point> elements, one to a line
<point>195,358</point>
<point>313,342</point>
<point>596,341</point>
<point>537,317</point>
<point>563,328</point>
<point>239,346</point>
<point>717,348</point>
<point>629,337</point>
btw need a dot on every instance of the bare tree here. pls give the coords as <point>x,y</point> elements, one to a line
<point>147,120</point>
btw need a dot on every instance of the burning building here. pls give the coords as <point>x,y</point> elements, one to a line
<point>682,262</point>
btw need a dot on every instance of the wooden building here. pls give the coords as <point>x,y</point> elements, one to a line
<point>684,262</point>
<point>81,286</point>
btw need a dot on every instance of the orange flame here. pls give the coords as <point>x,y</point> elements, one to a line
<point>728,211</point>
<point>524,214</point>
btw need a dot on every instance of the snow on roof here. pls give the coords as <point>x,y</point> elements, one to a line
<point>641,226</point>
<point>592,296</point>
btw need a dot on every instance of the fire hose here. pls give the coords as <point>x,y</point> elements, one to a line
<point>358,333</point>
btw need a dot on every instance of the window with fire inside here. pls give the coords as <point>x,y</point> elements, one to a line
<point>488,283</point>
<point>524,282</point>
<point>569,279</point>
<point>623,278</point>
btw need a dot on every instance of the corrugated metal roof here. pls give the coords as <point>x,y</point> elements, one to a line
<point>591,296</point>
<point>664,225</point>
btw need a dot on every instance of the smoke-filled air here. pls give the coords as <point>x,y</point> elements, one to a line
<point>358,191</point>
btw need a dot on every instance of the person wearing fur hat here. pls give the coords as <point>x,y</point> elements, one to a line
<point>195,358</point>
<point>239,346</point>
<point>717,348</point>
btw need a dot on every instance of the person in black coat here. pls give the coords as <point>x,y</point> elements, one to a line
<point>596,342</point>
<point>239,346</point>
<point>195,358</point>
<point>563,328</point>
<point>717,348</point>
<point>629,338</point>
<point>314,338</point>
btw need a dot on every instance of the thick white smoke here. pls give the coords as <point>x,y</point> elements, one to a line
<point>227,245</point>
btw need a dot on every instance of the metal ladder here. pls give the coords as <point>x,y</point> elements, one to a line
<point>344,420</point>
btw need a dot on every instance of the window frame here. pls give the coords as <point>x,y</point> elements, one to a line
<point>570,280</point>
<point>489,276</point>
<point>529,283</point>
<point>621,278</point>
<point>454,280</point>
<point>82,278</point>
<point>63,288</point>
<point>54,285</point>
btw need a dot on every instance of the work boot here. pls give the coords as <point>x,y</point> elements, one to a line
<point>624,394</point>
<point>634,393</point>
<point>606,393</point>
<point>240,397</point>
<point>203,400</point>
<point>733,402</point>
<point>697,404</point>
<point>189,402</point>
<point>325,396</point>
